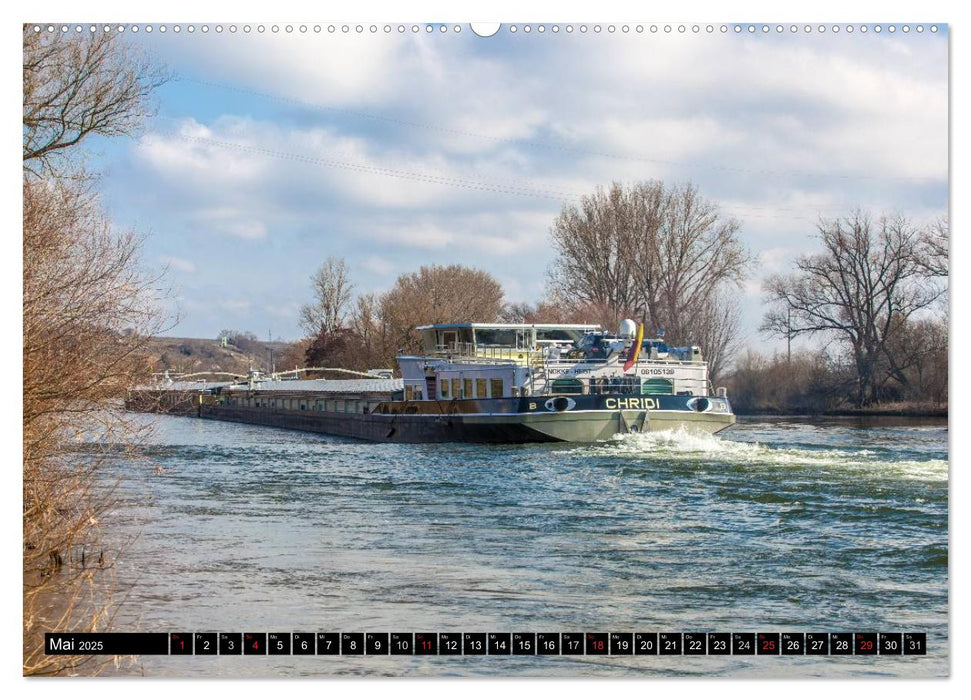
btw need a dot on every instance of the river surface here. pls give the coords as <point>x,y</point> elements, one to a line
<point>786,525</point>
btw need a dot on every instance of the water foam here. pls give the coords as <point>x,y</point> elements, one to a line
<point>680,445</point>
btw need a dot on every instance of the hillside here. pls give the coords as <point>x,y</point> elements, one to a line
<point>186,355</point>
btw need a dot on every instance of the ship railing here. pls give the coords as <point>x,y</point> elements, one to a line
<point>469,352</point>
<point>622,384</point>
<point>621,358</point>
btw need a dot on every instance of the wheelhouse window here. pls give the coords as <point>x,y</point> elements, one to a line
<point>495,337</point>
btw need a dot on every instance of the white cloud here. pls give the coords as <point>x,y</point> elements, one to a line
<point>377,265</point>
<point>234,304</point>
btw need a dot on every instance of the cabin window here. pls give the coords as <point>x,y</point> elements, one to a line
<point>443,388</point>
<point>496,337</point>
<point>495,388</point>
<point>456,388</point>
<point>467,394</point>
<point>409,392</point>
<point>656,385</point>
<point>480,388</point>
<point>567,386</point>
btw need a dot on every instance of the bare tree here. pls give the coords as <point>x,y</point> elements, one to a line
<point>437,294</point>
<point>688,258</point>
<point>915,357</point>
<point>715,325</point>
<point>662,254</point>
<point>75,86</point>
<point>594,243</point>
<point>870,276</point>
<point>332,290</point>
<point>937,247</point>
<point>87,315</point>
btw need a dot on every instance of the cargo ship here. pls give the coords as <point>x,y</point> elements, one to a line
<point>480,382</point>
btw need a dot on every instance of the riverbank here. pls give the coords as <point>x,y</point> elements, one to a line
<point>902,410</point>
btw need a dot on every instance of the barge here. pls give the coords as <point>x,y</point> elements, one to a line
<point>481,382</point>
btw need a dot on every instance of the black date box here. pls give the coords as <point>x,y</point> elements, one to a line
<point>571,643</point>
<point>304,643</point>
<point>206,643</point>
<point>254,643</point>
<point>376,643</point>
<point>621,643</point>
<point>793,643</point>
<point>426,643</point>
<point>548,643</point>
<point>597,643</point>
<point>695,643</point>
<point>891,643</point>
<point>915,643</point>
<point>180,643</point>
<point>645,643</point>
<point>474,643</point>
<point>524,643</point>
<point>449,643</point>
<point>402,643</point>
<point>767,643</point>
<point>865,643</point>
<point>817,643</point>
<point>669,643</point>
<point>743,643</point>
<point>230,643</point>
<point>840,643</point>
<point>328,643</point>
<point>352,643</point>
<point>719,643</point>
<point>500,643</point>
<point>278,643</point>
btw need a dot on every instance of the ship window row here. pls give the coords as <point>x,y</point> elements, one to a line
<point>470,388</point>
<point>305,404</point>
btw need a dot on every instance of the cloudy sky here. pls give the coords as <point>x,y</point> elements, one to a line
<point>392,150</point>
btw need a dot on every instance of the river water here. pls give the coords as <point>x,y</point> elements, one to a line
<point>786,525</point>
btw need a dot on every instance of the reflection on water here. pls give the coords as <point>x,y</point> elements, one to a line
<point>778,524</point>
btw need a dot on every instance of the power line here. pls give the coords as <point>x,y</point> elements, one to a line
<point>750,211</point>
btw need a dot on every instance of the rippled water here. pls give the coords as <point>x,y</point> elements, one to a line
<point>778,525</point>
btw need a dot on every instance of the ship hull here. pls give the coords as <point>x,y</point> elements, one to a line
<point>508,428</point>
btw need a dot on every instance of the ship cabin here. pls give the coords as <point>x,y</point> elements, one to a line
<point>463,361</point>
<point>483,360</point>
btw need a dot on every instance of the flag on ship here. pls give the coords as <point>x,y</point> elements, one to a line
<point>632,357</point>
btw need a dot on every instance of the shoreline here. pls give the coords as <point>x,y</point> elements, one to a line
<point>848,413</point>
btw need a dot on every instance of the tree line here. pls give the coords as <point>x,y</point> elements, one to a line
<point>368,331</point>
<point>876,296</point>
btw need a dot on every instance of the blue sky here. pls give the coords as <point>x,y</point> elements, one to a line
<point>271,152</point>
